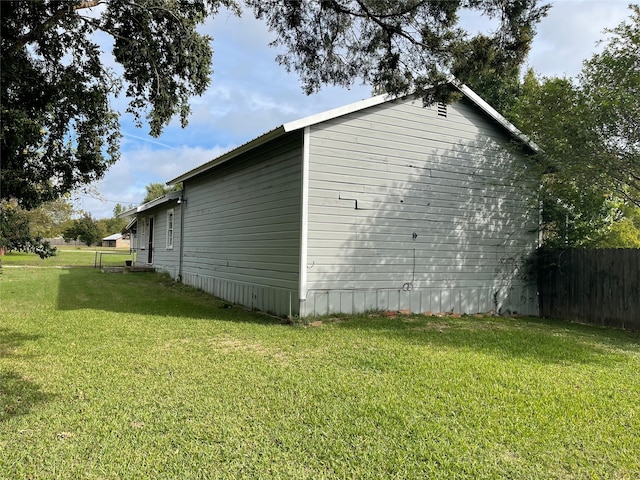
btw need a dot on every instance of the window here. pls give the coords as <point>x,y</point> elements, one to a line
<point>170,229</point>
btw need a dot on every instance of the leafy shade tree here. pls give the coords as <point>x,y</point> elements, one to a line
<point>549,111</point>
<point>610,84</point>
<point>580,206</point>
<point>60,131</point>
<point>51,218</point>
<point>15,233</point>
<point>119,208</point>
<point>624,232</point>
<point>589,133</point>
<point>155,190</point>
<point>401,46</point>
<point>114,224</point>
<point>85,229</point>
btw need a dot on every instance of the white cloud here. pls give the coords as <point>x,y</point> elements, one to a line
<point>568,35</point>
<point>125,181</point>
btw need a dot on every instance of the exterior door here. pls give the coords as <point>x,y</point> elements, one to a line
<point>150,245</point>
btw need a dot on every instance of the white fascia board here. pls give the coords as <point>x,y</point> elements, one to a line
<point>281,130</point>
<point>128,213</point>
<point>336,112</point>
<point>131,223</point>
<point>345,110</point>
<point>167,197</point>
<point>275,133</point>
<point>493,113</point>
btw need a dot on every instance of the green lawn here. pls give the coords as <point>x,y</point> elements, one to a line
<point>70,257</point>
<point>129,376</point>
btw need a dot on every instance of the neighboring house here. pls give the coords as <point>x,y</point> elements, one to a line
<point>379,205</point>
<point>117,240</point>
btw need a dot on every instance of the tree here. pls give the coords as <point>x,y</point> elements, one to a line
<point>15,233</point>
<point>51,218</point>
<point>60,131</point>
<point>549,110</point>
<point>589,128</point>
<point>156,190</point>
<point>610,84</point>
<point>624,232</point>
<point>85,229</point>
<point>109,226</point>
<point>589,133</point>
<point>402,46</point>
<point>119,208</point>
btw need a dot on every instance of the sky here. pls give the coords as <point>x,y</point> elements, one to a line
<point>251,94</point>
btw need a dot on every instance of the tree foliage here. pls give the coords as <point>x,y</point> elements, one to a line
<point>610,84</point>
<point>401,46</point>
<point>84,229</point>
<point>15,233</point>
<point>624,231</point>
<point>156,190</point>
<point>51,218</point>
<point>588,129</point>
<point>60,130</point>
<point>109,226</point>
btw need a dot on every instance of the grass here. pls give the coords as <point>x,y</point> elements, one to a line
<point>132,376</point>
<point>69,257</point>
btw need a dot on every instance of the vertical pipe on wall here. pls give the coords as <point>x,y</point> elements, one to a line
<point>304,214</point>
<point>183,200</point>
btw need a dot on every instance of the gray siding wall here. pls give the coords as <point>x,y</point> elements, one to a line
<point>242,228</point>
<point>412,210</point>
<point>165,259</point>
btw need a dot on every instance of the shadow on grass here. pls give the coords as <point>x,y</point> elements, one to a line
<point>145,293</point>
<point>10,340</point>
<point>17,394</point>
<point>539,340</point>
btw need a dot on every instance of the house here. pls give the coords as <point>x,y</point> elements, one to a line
<point>117,240</point>
<point>384,204</point>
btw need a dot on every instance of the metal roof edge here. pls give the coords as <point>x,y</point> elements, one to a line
<point>337,112</point>
<point>167,197</point>
<point>281,130</point>
<point>113,236</point>
<point>225,157</point>
<point>345,110</point>
<point>131,223</point>
<point>493,113</point>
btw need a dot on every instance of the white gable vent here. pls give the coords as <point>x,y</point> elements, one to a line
<point>442,109</point>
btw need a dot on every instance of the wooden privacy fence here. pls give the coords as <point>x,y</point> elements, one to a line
<point>596,286</point>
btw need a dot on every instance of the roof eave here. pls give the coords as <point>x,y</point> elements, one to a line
<point>337,112</point>
<point>167,197</point>
<point>256,142</point>
<point>131,223</point>
<point>493,113</point>
<point>345,110</point>
<point>281,130</point>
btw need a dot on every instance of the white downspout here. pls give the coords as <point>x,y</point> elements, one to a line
<point>183,200</point>
<point>304,217</point>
